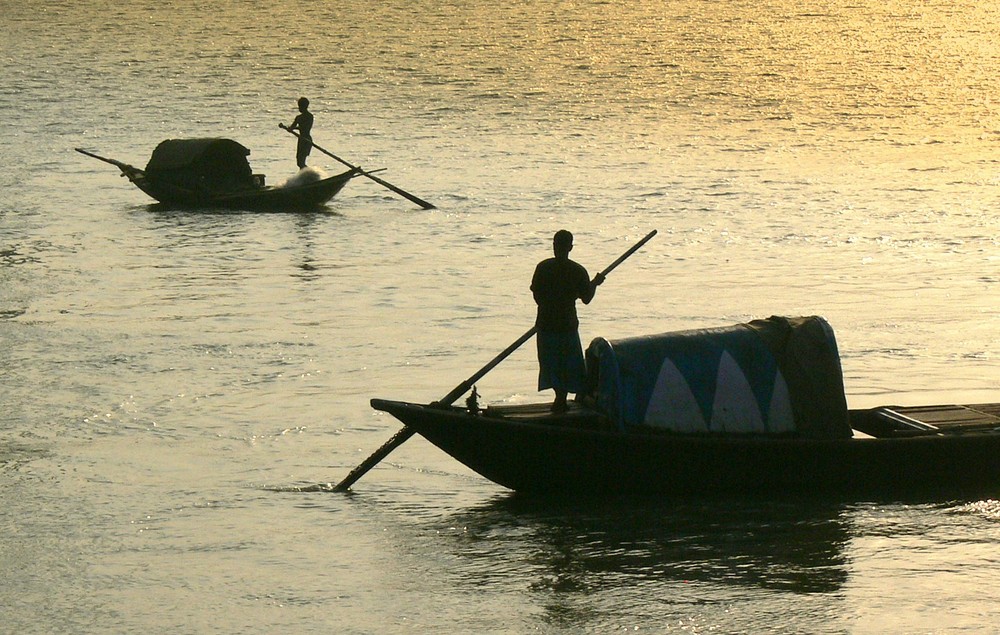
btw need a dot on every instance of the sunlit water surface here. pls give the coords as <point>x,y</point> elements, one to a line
<point>175,383</point>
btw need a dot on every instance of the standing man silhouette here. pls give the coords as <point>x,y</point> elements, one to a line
<point>303,123</point>
<point>556,285</point>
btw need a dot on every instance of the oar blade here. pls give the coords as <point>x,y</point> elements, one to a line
<point>397,440</point>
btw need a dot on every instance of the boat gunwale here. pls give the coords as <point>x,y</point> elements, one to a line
<point>568,423</point>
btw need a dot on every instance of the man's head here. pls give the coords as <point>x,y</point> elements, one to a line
<point>562,242</point>
<point>303,103</point>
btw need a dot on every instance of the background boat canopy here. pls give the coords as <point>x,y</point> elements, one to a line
<point>777,375</point>
<point>214,165</point>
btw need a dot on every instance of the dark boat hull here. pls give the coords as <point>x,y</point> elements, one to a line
<point>286,198</point>
<point>555,456</point>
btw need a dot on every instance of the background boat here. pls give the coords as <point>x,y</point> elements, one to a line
<point>214,172</point>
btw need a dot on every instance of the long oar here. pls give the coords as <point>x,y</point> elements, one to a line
<point>406,432</point>
<point>126,169</point>
<point>419,201</point>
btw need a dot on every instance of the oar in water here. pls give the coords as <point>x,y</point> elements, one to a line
<point>419,201</point>
<point>406,432</point>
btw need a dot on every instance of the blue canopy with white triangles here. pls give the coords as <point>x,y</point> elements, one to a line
<point>775,376</point>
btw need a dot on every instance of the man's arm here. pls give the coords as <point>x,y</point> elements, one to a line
<point>589,287</point>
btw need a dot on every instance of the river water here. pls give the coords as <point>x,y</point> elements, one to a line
<point>175,384</point>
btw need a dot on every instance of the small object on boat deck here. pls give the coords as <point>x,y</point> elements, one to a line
<point>472,402</point>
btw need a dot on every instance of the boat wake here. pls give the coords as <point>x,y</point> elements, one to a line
<point>304,176</point>
<point>318,487</point>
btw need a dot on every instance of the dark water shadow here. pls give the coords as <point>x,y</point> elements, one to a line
<point>177,210</point>
<point>793,546</point>
<point>16,455</point>
<point>232,231</point>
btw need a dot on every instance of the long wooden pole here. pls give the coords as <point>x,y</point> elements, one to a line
<point>406,432</point>
<point>124,167</point>
<point>419,201</point>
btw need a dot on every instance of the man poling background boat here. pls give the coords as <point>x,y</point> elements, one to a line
<point>302,125</point>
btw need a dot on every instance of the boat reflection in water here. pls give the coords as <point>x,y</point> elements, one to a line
<point>790,545</point>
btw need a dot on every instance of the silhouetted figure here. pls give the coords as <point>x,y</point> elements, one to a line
<point>303,123</point>
<point>556,285</point>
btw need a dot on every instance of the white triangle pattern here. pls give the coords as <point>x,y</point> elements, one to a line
<point>672,404</point>
<point>780,418</point>
<point>735,409</point>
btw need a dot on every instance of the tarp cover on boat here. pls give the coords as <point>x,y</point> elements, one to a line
<point>211,165</point>
<point>774,376</point>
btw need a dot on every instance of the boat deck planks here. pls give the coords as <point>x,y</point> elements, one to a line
<point>957,416</point>
<point>542,413</point>
<point>940,419</point>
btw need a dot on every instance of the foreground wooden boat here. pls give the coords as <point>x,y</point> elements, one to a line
<point>215,173</point>
<point>528,449</point>
<point>896,452</point>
